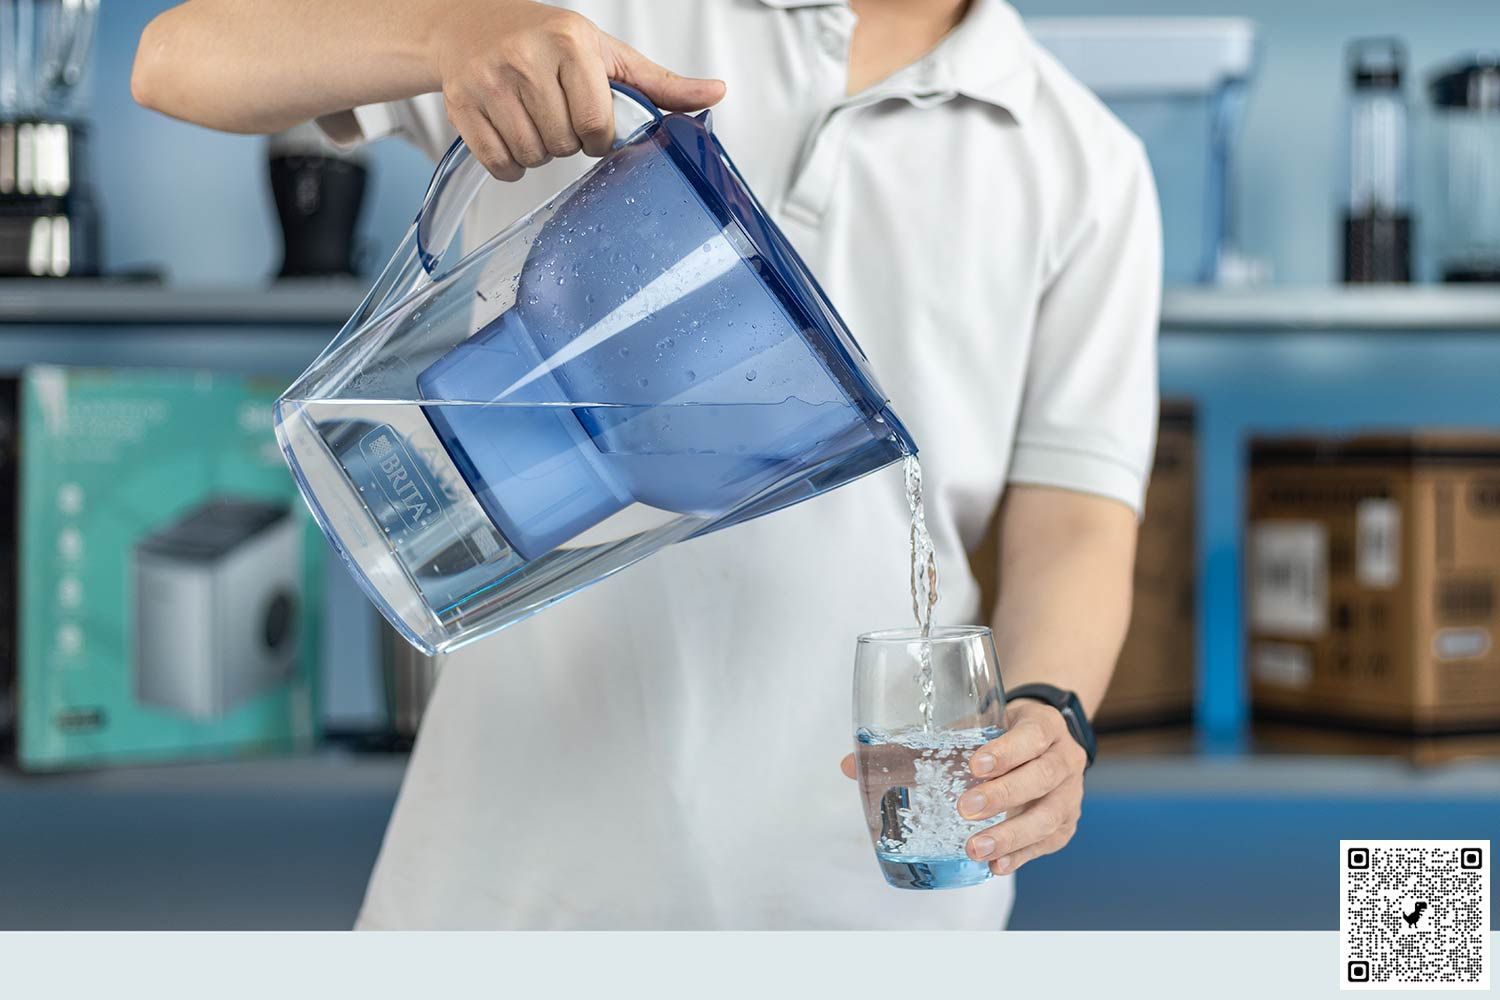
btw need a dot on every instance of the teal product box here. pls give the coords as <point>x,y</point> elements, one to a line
<point>170,577</point>
<point>9,462</point>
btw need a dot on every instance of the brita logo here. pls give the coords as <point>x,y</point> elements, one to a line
<point>398,477</point>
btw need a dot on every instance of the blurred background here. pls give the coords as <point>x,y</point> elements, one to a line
<point>1313,653</point>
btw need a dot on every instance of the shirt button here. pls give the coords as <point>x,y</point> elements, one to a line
<point>832,41</point>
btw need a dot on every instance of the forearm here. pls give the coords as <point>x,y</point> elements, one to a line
<point>260,66</point>
<point>1065,588</point>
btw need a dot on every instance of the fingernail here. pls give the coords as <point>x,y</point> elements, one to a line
<point>972,804</point>
<point>982,847</point>
<point>1002,866</point>
<point>984,763</point>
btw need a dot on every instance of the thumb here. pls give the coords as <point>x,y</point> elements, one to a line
<point>670,91</point>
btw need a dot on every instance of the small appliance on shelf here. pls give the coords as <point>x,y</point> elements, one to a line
<point>1180,84</point>
<point>1377,222</point>
<point>49,224</point>
<point>1466,128</point>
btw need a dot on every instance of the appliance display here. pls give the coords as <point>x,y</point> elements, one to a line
<point>1377,222</point>
<point>1466,116</point>
<point>49,221</point>
<point>217,595</point>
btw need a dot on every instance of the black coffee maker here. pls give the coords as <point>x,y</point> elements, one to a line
<point>318,189</point>
<point>49,222</point>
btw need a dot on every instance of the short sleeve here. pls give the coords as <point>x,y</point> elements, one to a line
<point>421,121</point>
<point>1088,411</point>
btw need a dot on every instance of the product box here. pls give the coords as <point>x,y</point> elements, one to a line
<point>170,577</point>
<point>1155,678</point>
<point>1154,681</point>
<point>1373,565</point>
<point>9,472</point>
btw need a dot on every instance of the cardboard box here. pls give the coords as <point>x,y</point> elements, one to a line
<point>170,577</point>
<point>1371,592</point>
<point>1154,680</point>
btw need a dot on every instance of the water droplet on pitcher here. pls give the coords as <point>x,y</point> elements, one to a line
<point>750,375</point>
<point>630,199</point>
<point>624,352</point>
<point>645,212</point>
<point>531,299</point>
<point>561,280</point>
<point>690,374</point>
<point>643,382</point>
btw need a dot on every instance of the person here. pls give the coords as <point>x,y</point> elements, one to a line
<point>658,751</point>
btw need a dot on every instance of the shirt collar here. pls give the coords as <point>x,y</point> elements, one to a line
<point>986,58</point>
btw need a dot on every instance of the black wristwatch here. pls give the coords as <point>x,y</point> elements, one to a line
<point>1072,711</point>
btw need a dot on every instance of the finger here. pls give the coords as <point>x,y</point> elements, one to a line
<point>547,108</point>
<point>1027,783</point>
<point>670,91</point>
<point>847,766</point>
<point>590,107</point>
<point>1026,740</point>
<point>485,143</point>
<point>1039,820</point>
<point>513,121</point>
<point>1047,845</point>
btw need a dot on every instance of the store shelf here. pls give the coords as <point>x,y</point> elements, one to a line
<point>317,303</point>
<point>1123,773</point>
<point>325,303</point>
<point>1271,310</point>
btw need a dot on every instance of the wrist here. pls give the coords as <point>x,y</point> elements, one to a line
<point>1067,704</point>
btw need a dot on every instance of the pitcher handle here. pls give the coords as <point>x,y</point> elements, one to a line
<point>460,175</point>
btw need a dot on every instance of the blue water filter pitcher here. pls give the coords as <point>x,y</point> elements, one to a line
<point>643,359</point>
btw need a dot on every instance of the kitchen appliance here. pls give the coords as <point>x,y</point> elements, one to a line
<point>640,360</point>
<point>49,222</point>
<point>1377,222</point>
<point>1181,85</point>
<point>217,598</point>
<point>1466,131</point>
<point>318,190</point>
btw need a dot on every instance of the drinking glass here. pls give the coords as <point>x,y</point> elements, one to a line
<point>912,762</point>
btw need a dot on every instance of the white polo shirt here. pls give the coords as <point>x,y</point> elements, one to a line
<point>661,750</point>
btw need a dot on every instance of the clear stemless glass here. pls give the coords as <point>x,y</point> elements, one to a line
<point>912,769</point>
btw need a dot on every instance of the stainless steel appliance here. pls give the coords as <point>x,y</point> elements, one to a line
<point>217,597</point>
<point>49,223</point>
<point>1466,115</point>
<point>1377,222</point>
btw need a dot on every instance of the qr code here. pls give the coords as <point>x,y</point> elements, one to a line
<point>1414,913</point>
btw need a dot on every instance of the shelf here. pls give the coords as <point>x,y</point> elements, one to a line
<point>320,303</point>
<point>1372,310</point>
<point>1174,774</point>
<point>329,303</point>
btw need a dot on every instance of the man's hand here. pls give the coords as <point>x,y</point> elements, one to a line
<point>525,82</point>
<point>1033,774</point>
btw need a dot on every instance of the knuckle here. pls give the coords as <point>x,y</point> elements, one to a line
<point>593,122</point>
<point>999,792</point>
<point>566,27</point>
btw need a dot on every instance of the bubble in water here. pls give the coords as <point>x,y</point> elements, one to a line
<point>645,212</point>
<point>630,199</point>
<point>624,352</point>
<point>589,298</point>
<point>531,299</point>
<point>561,280</point>
<point>690,374</point>
<point>643,382</point>
<point>750,375</point>
<point>708,247</point>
